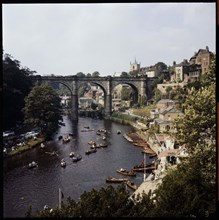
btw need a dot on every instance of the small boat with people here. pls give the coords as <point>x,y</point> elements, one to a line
<point>98,132</point>
<point>60,137</point>
<point>76,158</point>
<point>62,123</point>
<point>126,172</point>
<point>71,154</point>
<point>63,163</point>
<point>118,132</point>
<point>115,180</point>
<point>91,142</point>
<point>91,151</point>
<point>32,164</point>
<point>131,185</point>
<point>66,139</point>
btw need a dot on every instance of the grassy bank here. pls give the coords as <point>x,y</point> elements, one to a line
<point>122,118</point>
<point>30,144</point>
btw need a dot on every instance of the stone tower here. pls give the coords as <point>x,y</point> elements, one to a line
<point>134,66</point>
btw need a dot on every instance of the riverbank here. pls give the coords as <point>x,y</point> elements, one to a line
<point>29,145</point>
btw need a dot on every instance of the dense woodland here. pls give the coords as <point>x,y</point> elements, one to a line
<point>189,190</point>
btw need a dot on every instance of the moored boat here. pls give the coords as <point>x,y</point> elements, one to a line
<point>147,167</point>
<point>115,180</point>
<point>126,173</point>
<point>131,185</point>
<point>60,137</point>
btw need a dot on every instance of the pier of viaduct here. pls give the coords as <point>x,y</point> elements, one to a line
<point>140,85</point>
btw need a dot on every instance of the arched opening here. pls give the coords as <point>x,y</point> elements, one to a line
<point>124,95</point>
<point>91,99</point>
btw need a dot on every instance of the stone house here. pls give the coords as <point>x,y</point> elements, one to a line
<point>164,103</point>
<point>166,119</point>
<point>150,71</point>
<point>172,156</point>
<point>203,57</point>
<point>186,72</point>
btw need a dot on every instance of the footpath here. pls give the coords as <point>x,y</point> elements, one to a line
<point>150,184</point>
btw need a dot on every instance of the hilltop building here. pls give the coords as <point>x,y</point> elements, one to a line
<point>135,66</point>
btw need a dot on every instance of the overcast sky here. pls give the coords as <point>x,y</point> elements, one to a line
<point>64,39</point>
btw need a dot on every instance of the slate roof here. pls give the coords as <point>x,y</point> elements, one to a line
<point>170,109</point>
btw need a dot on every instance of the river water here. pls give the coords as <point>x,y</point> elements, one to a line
<point>23,187</point>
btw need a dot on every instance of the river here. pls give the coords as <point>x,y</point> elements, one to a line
<point>23,187</point>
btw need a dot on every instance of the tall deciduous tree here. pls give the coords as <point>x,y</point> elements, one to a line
<point>16,85</point>
<point>199,122</point>
<point>42,108</point>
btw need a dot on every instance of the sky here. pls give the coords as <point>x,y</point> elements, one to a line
<point>64,39</point>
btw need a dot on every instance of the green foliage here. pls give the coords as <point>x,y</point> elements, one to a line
<point>80,74</point>
<point>190,189</point>
<point>199,118</point>
<point>16,85</point>
<point>63,90</point>
<point>126,93</point>
<point>42,108</point>
<point>134,73</point>
<point>95,74</point>
<point>124,74</point>
<point>124,116</point>
<point>160,66</point>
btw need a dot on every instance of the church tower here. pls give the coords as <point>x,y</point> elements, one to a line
<point>134,66</point>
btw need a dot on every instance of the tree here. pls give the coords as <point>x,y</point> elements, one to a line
<point>80,74</point>
<point>160,66</point>
<point>16,85</point>
<point>124,74</point>
<point>134,73</point>
<point>190,189</point>
<point>126,93</point>
<point>42,108</point>
<point>195,178</point>
<point>95,74</point>
<point>199,122</point>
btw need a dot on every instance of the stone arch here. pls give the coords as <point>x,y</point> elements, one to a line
<point>98,84</point>
<point>141,86</point>
<point>134,88</point>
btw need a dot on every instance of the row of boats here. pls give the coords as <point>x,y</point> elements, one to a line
<point>132,173</point>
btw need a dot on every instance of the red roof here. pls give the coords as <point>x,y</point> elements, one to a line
<point>166,153</point>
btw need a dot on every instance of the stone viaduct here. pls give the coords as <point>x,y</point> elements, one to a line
<point>140,85</point>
